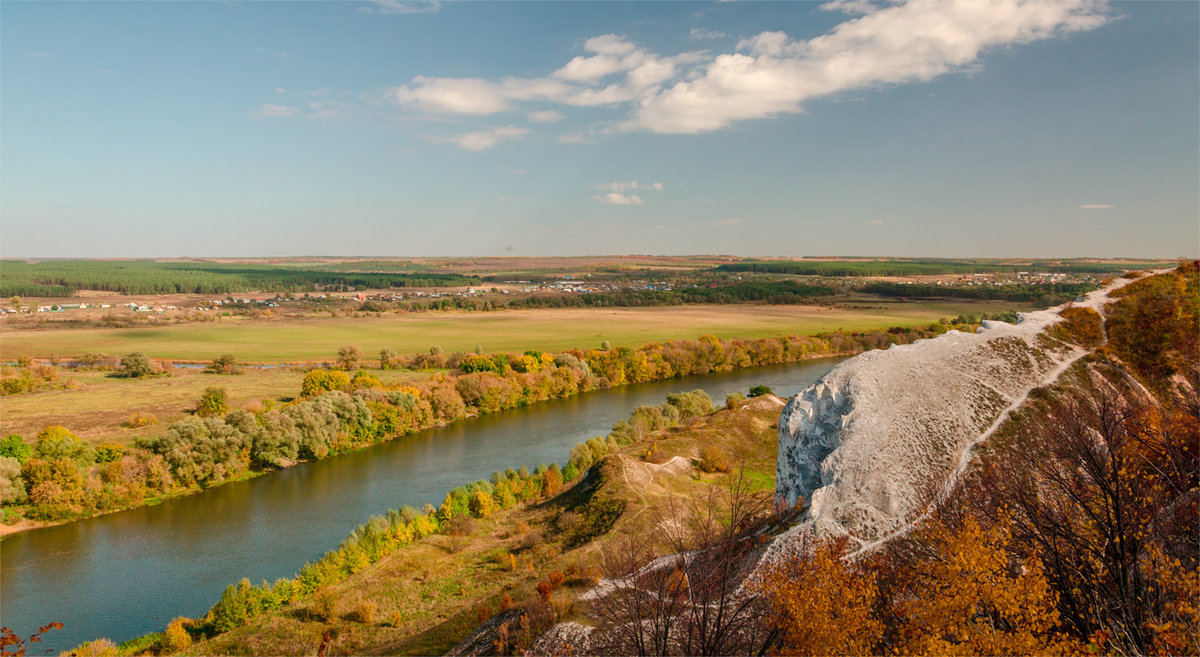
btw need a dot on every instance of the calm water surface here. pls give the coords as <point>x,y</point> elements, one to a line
<point>129,573</point>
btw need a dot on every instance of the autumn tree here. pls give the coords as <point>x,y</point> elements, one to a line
<point>349,356</point>
<point>822,603</point>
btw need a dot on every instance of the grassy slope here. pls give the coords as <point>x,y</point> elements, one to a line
<point>318,338</point>
<point>438,583</point>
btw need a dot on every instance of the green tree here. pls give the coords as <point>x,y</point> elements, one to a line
<point>214,401</point>
<point>136,365</point>
<point>14,446</point>
<point>57,442</point>
<point>16,303</point>
<point>349,357</point>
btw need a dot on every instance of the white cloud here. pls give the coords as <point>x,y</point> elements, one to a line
<point>575,138</point>
<point>729,221</point>
<point>912,42</point>
<point>1096,206</point>
<point>483,139</point>
<point>401,7</point>
<point>770,73</point>
<point>277,111</point>
<point>613,198</point>
<point>703,33</point>
<point>280,90</point>
<point>545,116</point>
<point>622,186</point>
<point>849,6</point>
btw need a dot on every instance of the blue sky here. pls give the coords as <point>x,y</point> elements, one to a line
<point>417,129</point>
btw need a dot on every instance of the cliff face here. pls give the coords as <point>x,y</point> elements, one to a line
<point>875,441</point>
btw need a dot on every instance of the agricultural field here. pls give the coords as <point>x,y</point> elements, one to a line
<point>316,339</point>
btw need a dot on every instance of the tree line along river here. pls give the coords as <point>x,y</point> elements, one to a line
<point>129,573</point>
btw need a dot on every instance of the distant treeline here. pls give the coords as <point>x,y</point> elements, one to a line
<point>931,267</point>
<point>65,277</point>
<point>781,292</point>
<point>1050,294</point>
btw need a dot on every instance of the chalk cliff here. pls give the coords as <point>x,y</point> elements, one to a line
<point>878,438</point>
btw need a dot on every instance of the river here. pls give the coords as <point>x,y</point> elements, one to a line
<point>126,574</point>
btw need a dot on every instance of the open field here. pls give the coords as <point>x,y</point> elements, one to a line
<point>99,407</point>
<point>317,339</point>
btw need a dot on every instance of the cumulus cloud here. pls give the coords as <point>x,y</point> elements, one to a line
<point>277,112</point>
<point>401,7</point>
<point>912,42</point>
<point>1096,206</point>
<point>703,34</point>
<point>483,139</point>
<point>770,73</point>
<point>544,116</point>
<point>614,198</point>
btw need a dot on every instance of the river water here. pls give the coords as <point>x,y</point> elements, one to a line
<point>129,573</point>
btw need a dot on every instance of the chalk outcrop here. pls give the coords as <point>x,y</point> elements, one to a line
<point>878,438</point>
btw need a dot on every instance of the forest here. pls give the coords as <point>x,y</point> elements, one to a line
<point>62,278</point>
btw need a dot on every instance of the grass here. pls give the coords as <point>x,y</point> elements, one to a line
<point>318,338</point>
<point>99,407</point>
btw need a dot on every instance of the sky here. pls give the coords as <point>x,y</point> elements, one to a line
<point>391,128</point>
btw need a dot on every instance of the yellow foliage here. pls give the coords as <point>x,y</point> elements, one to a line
<point>971,599</point>
<point>824,604</point>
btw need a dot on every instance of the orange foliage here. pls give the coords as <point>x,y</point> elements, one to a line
<point>824,604</point>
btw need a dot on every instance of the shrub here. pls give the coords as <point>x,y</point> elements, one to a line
<point>141,419</point>
<point>55,442</point>
<point>349,356</point>
<point>713,459</point>
<point>223,364</point>
<point>365,612</point>
<point>324,605</point>
<point>95,648</point>
<point>732,399</point>
<point>14,446</point>
<point>176,637</point>
<point>214,401</point>
<point>758,391</point>
<point>109,452</point>
<point>136,365</point>
<point>397,619</point>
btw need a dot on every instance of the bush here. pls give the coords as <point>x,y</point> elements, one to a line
<point>95,648</point>
<point>732,399</point>
<point>223,364</point>
<point>713,459</point>
<point>213,402</point>
<point>758,391</point>
<point>176,637</point>
<point>14,446</point>
<point>365,612</point>
<point>324,605</point>
<point>481,504</point>
<point>136,365</point>
<point>141,419</point>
